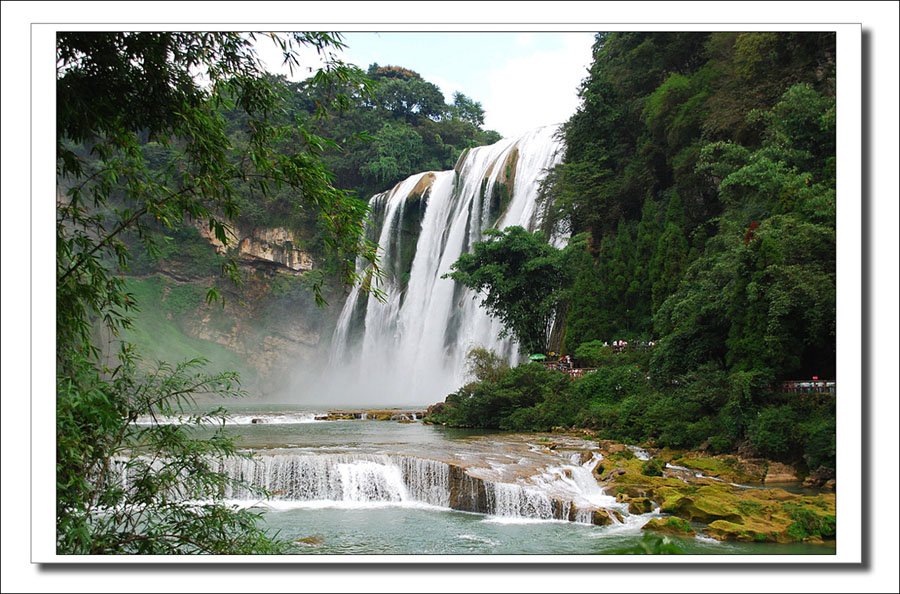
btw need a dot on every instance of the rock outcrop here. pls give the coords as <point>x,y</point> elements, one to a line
<point>821,478</point>
<point>277,246</point>
<point>730,512</point>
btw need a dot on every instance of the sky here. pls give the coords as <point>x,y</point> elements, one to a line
<point>522,80</point>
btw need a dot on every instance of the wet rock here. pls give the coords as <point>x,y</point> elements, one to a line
<point>780,473</point>
<point>563,510</point>
<point>612,474</point>
<point>819,477</point>
<point>256,421</point>
<point>601,517</point>
<point>467,493</point>
<point>640,505</point>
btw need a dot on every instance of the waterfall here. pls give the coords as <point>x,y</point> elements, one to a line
<point>341,478</point>
<point>411,348</point>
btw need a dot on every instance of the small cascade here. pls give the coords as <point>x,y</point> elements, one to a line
<point>341,478</point>
<point>411,347</point>
<point>509,500</point>
<point>365,480</point>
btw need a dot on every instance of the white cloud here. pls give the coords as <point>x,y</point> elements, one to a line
<point>538,89</point>
<point>447,87</point>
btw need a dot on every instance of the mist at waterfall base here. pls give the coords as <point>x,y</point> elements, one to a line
<point>410,348</point>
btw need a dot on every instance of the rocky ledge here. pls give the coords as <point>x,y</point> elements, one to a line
<point>728,511</point>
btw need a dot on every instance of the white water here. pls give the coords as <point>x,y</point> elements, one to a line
<point>410,349</point>
<point>377,480</point>
<point>342,479</point>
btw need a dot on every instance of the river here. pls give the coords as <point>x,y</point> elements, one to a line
<point>366,487</point>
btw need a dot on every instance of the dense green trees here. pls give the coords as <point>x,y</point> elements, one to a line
<point>143,147</point>
<point>402,127</point>
<point>678,136</point>
<point>701,167</point>
<point>523,280</point>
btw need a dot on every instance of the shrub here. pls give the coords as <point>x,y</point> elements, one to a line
<point>652,467</point>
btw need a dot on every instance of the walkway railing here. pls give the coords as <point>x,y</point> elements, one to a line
<point>808,386</point>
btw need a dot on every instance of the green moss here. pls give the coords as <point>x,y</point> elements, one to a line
<point>623,455</point>
<point>807,523</point>
<point>749,507</point>
<point>724,467</point>
<point>671,525</point>
<point>652,467</point>
<point>679,524</point>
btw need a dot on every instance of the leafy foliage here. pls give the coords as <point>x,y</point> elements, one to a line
<point>402,127</point>
<point>650,544</point>
<point>143,149</point>
<point>701,169</point>
<point>523,279</point>
<point>128,488</point>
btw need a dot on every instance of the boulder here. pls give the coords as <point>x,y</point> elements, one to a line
<point>604,517</point>
<point>705,510</point>
<point>819,477</point>
<point>670,525</point>
<point>746,450</point>
<point>608,447</point>
<point>640,505</point>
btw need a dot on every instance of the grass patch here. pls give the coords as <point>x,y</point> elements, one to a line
<point>158,333</point>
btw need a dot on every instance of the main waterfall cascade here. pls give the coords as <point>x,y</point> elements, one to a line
<point>411,347</point>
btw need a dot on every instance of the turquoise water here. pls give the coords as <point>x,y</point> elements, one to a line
<point>409,531</point>
<point>334,527</point>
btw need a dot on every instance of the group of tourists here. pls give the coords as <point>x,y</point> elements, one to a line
<point>564,363</point>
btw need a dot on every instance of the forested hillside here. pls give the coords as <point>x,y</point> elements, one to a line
<point>699,179</point>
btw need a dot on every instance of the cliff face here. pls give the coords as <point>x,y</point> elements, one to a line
<point>268,328</point>
<point>276,246</point>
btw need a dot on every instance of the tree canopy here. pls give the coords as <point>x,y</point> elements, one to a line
<point>522,279</point>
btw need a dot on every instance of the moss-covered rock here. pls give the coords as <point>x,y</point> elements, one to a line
<point>640,505</point>
<point>670,525</point>
<point>727,468</point>
<point>604,517</point>
<point>731,512</point>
